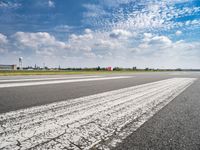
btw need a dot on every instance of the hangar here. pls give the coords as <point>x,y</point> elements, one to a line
<point>8,67</point>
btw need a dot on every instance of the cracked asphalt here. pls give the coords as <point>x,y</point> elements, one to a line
<point>176,126</point>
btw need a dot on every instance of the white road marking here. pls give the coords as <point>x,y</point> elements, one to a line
<point>4,85</point>
<point>183,73</point>
<point>42,79</point>
<point>97,121</point>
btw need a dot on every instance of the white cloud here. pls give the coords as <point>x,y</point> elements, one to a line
<point>37,39</point>
<point>147,36</point>
<point>160,40</point>
<point>9,5</point>
<point>165,53</point>
<point>153,44</point>
<point>82,45</point>
<point>94,47</point>
<point>132,33</point>
<point>41,42</point>
<point>81,38</point>
<point>118,2</point>
<point>141,16</point>
<point>63,28</point>
<point>3,39</point>
<point>2,50</point>
<point>3,43</point>
<point>195,22</point>
<point>178,33</point>
<point>51,3</point>
<point>94,10</point>
<point>99,44</point>
<point>121,34</point>
<point>114,3</point>
<point>156,40</point>
<point>88,31</point>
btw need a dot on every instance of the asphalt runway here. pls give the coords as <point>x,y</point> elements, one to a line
<point>126,111</point>
<point>13,98</point>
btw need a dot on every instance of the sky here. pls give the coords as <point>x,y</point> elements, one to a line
<point>90,33</point>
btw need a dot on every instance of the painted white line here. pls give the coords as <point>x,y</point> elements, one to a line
<point>97,121</point>
<point>42,79</point>
<point>183,73</point>
<point>59,81</point>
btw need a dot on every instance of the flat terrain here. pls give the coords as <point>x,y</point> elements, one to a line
<point>104,111</point>
<point>61,72</point>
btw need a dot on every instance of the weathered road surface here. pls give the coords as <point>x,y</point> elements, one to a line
<point>130,111</point>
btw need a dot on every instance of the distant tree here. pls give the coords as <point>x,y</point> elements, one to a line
<point>117,69</point>
<point>98,68</point>
<point>134,68</point>
<point>178,69</point>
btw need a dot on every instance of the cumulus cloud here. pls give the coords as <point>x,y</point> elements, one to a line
<point>3,39</point>
<point>37,39</point>
<point>2,50</point>
<point>121,34</point>
<point>178,33</point>
<point>113,47</point>
<point>90,43</point>
<point>156,40</point>
<point>87,44</point>
<point>153,44</point>
<point>3,43</point>
<point>160,41</point>
<point>129,31</point>
<point>162,46</point>
<point>41,42</point>
<point>162,52</point>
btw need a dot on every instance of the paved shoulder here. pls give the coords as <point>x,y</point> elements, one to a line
<point>174,127</point>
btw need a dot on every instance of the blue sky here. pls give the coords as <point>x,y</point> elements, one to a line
<point>90,33</point>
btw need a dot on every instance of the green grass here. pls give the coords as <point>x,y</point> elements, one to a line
<point>47,72</point>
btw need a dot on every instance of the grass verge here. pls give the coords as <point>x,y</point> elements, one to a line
<point>47,72</point>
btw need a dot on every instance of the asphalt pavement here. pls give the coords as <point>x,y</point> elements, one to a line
<point>175,125</point>
<point>13,98</point>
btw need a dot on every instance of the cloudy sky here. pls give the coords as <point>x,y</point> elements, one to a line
<point>89,33</point>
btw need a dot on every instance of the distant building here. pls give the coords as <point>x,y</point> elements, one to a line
<point>8,67</point>
<point>109,68</point>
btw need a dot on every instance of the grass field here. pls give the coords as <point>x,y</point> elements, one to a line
<point>43,72</point>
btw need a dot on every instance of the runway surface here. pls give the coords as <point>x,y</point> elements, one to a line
<point>117,111</point>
